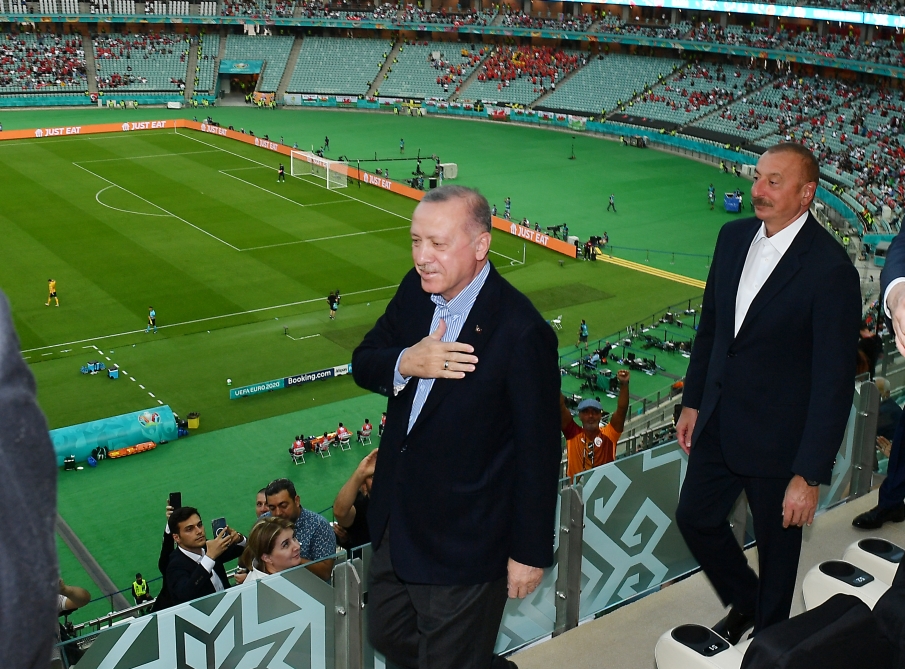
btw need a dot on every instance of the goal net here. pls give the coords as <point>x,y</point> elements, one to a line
<point>334,172</point>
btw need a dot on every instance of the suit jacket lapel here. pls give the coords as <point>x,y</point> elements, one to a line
<point>787,268</point>
<point>477,330</point>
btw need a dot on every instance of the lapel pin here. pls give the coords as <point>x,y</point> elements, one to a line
<point>477,328</point>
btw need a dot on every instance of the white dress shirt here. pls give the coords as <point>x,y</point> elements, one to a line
<point>764,255</point>
<point>208,564</point>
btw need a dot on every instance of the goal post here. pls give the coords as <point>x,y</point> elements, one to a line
<point>333,172</point>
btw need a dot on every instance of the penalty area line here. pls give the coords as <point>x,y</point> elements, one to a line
<point>178,218</point>
<point>208,319</point>
<point>258,162</point>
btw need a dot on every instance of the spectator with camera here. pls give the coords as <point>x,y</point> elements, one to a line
<point>196,567</point>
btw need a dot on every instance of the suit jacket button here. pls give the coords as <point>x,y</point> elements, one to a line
<point>730,355</point>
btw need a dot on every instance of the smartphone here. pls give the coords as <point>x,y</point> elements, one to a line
<point>175,499</point>
<point>218,525</point>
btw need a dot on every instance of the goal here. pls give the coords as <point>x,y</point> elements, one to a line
<point>334,172</point>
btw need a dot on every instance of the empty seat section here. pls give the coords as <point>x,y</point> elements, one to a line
<point>431,69</point>
<point>273,50</point>
<point>337,66</point>
<point>602,83</point>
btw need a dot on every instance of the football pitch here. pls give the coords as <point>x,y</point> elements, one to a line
<point>237,267</point>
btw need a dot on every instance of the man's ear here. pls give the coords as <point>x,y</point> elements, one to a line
<point>482,245</point>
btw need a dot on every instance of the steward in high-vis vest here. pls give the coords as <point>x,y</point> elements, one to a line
<point>140,590</point>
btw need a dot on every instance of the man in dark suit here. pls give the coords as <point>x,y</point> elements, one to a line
<point>28,556</point>
<point>464,494</point>
<point>890,505</point>
<point>768,389</point>
<point>196,566</point>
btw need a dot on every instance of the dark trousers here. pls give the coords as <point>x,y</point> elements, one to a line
<point>432,626</point>
<point>892,490</point>
<point>708,493</point>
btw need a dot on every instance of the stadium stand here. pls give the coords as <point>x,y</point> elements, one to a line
<point>273,50</point>
<point>207,8</point>
<point>257,10</point>
<point>521,75</point>
<point>580,23</point>
<point>36,63</point>
<point>206,73</point>
<point>414,14</point>
<point>697,91</point>
<point>16,7</point>
<point>759,37</point>
<point>139,62</point>
<point>431,69</point>
<point>171,7</point>
<point>624,76</point>
<point>332,65</point>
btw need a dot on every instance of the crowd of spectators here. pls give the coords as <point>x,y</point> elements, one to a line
<point>413,14</point>
<point>45,63</point>
<point>256,10</point>
<point>705,85</point>
<point>756,36</point>
<point>543,65</point>
<point>578,23</point>
<point>126,48</point>
<point>451,74</point>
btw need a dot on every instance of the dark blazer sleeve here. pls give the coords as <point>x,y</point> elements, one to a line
<point>534,382</point>
<point>696,374</point>
<point>28,556</point>
<point>374,360</point>
<point>895,263</point>
<point>835,316</point>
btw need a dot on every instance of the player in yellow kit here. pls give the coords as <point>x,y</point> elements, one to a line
<point>52,292</point>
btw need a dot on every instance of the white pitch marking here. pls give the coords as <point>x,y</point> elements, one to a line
<point>66,350</point>
<point>107,357</point>
<point>324,239</point>
<point>131,379</point>
<point>156,155</point>
<point>51,353</point>
<point>282,197</point>
<point>97,198</point>
<point>202,320</point>
<point>141,386</point>
<point>251,160</point>
<point>159,402</point>
<point>151,394</point>
<point>300,338</point>
<point>211,235</point>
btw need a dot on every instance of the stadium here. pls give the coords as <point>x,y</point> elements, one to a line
<point>141,145</point>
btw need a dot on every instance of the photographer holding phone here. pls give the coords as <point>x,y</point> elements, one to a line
<point>195,568</point>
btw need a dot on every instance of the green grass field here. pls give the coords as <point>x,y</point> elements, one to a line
<point>198,227</point>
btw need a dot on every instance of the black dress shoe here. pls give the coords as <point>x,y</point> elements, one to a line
<point>874,519</point>
<point>734,625</point>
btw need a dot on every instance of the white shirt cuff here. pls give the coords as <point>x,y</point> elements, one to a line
<point>399,381</point>
<point>894,282</point>
<point>208,563</point>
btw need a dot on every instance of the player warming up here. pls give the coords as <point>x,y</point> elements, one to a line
<point>52,292</point>
<point>152,320</point>
<point>281,174</point>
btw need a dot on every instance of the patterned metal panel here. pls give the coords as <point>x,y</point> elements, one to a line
<point>282,622</point>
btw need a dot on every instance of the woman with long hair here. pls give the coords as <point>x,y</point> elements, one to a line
<point>271,548</point>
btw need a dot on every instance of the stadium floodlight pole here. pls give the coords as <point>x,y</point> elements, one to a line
<point>572,157</point>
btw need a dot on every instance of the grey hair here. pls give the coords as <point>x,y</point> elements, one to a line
<point>479,208</point>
